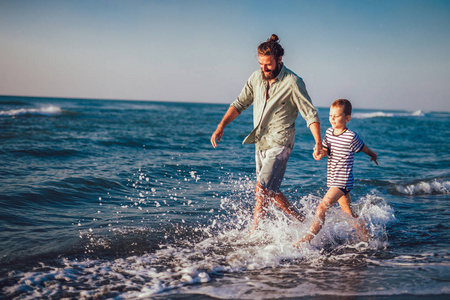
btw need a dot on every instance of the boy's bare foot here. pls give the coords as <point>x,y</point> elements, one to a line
<point>364,236</point>
<point>362,232</point>
<point>299,243</point>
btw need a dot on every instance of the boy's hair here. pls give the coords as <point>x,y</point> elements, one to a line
<point>345,104</point>
<point>271,47</point>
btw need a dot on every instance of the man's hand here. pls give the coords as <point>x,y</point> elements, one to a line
<point>230,115</point>
<point>216,136</point>
<point>319,152</point>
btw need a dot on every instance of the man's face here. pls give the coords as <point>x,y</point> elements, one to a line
<point>269,66</point>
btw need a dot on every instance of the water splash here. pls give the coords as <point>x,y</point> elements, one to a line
<point>435,186</point>
<point>171,258</point>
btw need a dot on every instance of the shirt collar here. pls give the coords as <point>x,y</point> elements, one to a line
<point>282,73</point>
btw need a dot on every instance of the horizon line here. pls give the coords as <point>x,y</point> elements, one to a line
<point>185,102</point>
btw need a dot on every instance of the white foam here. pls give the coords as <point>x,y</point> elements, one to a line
<point>226,247</point>
<point>49,110</point>
<point>424,188</point>
<point>381,114</point>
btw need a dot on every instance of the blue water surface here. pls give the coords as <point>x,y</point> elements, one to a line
<point>126,199</point>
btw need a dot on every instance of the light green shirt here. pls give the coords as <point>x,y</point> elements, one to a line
<point>274,119</point>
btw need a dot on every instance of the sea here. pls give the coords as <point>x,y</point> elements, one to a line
<point>105,199</point>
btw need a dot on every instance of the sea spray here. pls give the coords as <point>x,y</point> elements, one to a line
<point>128,199</point>
<point>223,246</point>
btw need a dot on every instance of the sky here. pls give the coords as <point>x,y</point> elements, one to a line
<point>391,55</point>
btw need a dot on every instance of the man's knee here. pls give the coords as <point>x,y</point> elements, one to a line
<point>263,190</point>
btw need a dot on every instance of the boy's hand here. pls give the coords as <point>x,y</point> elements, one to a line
<point>319,152</point>
<point>374,157</point>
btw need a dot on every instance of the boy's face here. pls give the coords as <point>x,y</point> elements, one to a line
<point>338,119</point>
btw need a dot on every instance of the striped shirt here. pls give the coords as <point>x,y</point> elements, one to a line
<point>341,151</point>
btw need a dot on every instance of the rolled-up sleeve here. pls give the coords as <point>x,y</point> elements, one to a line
<point>304,103</point>
<point>245,99</point>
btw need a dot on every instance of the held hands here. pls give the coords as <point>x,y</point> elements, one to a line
<point>319,152</point>
<point>216,136</point>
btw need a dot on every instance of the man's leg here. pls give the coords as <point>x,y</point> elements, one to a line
<point>280,200</point>
<point>330,198</point>
<point>270,168</point>
<point>260,207</point>
<point>263,196</point>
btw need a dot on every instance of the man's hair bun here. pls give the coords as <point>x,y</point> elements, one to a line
<point>271,47</point>
<point>273,38</point>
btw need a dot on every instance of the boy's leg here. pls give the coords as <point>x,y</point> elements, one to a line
<point>346,205</point>
<point>330,198</point>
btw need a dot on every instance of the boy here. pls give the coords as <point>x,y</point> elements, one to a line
<point>340,144</point>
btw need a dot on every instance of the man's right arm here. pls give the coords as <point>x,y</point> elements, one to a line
<point>242,102</point>
<point>229,116</point>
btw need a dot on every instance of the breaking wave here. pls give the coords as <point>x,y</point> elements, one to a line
<point>49,110</point>
<point>435,186</point>
<point>380,114</point>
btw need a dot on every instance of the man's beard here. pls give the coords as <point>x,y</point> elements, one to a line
<point>274,73</point>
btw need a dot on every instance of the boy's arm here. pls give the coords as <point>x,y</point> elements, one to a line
<point>373,155</point>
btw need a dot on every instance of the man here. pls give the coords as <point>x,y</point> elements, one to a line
<point>277,95</point>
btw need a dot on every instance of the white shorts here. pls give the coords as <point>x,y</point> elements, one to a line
<point>271,166</point>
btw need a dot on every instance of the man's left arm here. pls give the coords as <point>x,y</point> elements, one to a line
<point>318,149</point>
<point>309,113</point>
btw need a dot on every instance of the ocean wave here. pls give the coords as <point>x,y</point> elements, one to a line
<point>433,187</point>
<point>49,110</point>
<point>223,246</point>
<point>380,114</point>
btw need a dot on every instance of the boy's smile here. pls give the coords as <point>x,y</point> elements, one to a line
<point>338,119</point>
